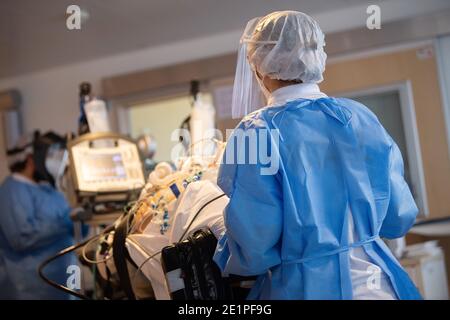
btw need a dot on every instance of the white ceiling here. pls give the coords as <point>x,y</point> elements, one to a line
<point>33,34</point>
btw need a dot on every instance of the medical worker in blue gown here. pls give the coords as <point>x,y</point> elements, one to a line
<point>34,225</point>
<point>309,222</point>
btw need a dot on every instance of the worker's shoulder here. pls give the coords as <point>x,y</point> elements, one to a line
<point>364,120</point>
<point>7,181</point>
<point>11,186</point>
<point>257,119</point>
<point>6,189</point>
<point>357,109</point>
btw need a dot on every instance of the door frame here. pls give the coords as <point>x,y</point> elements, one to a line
<point>413,148</point>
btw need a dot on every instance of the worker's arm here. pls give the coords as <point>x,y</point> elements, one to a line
<point>402,209</point>
<point>253,217</point>
<point>34,220</point>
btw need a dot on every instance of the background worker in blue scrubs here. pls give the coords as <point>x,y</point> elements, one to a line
<point>312,228</point>
<point>34,225</point>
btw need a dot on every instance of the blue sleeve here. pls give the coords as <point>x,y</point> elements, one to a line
<point>402,209</point>
<point>34,219</point>
<point>253,217</point>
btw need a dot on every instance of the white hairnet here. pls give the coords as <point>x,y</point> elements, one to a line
<point>22,149</point>
<point>284,45</point>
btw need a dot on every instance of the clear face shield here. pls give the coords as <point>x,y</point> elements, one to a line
<point>247,92</point>
<point>55,161</point>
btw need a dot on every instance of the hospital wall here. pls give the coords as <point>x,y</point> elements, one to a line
<point>50,97</point>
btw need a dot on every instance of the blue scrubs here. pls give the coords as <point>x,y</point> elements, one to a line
<point>291,228</point>
<point>34,225</point>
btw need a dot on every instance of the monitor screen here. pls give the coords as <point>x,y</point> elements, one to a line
<point>98,167</point>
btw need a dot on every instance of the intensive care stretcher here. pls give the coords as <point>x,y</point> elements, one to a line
<point>163,233</point>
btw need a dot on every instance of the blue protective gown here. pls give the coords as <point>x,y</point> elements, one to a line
<point>34,225</point>
<point>291,228</point>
